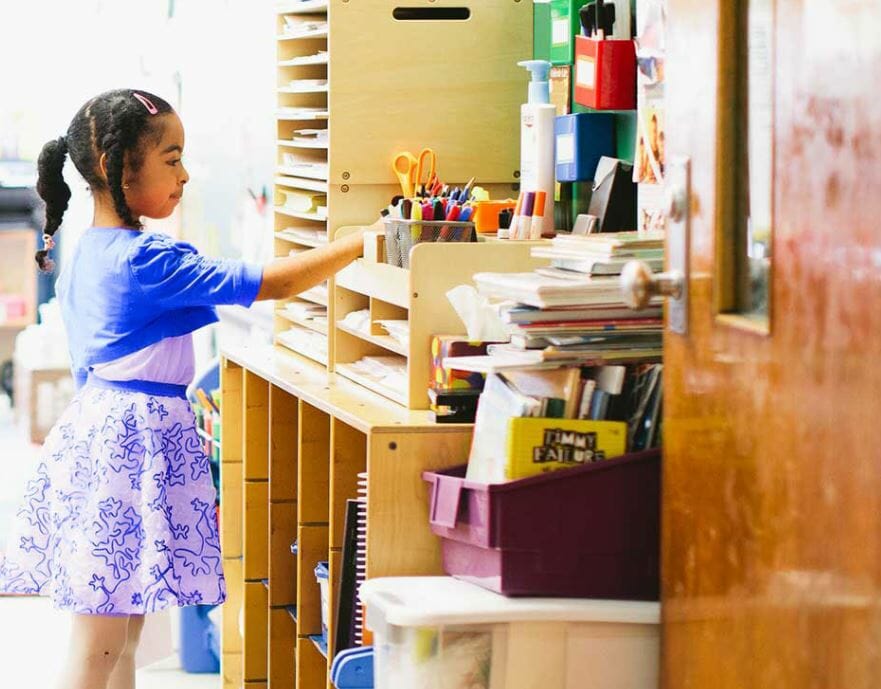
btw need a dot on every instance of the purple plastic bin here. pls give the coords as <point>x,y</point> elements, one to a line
<point>589,532</point>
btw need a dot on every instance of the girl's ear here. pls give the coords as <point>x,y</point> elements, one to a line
<point>102,166</point>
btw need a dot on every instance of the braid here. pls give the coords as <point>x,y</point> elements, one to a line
<point>115,143</point>
<point>53,190</point>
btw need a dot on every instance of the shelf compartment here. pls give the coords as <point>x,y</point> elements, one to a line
<point>314,452</point>
<point>320,643</point>
<point>300,216</point>
<point>347,371</point>
<point>317,355</point>
<point>316,145</point>
<point>318,59</point>
<point>298,239</point>
<point>305,36</point>
<point>283,453</point>
<point>387,342</point>
<point>313,549</point>
<point>315,295</point>
<point>303,183</point>
<point>379,280</point>
<point>302,7</point>
<point>282,648</point>
<point>318,327</point>
<point>235,592</point>
<point>255,622</point>
<point>282,567</point>
<point>419,296</point>
<point>256,530</point>
<point>311,665</point>
<point>303,89</point>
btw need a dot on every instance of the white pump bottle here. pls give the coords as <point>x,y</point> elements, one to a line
<point>537,116</point>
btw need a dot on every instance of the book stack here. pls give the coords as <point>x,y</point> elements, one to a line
<point>553,320</point>
<point>574,256</point>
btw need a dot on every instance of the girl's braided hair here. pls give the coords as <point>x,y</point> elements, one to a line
<point>116,123</point>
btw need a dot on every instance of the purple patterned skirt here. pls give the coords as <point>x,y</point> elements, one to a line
<point>120,515</point>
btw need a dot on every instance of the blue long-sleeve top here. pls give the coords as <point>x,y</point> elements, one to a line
<point>127,289</point>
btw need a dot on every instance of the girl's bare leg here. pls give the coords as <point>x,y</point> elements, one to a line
<point>123,676</point>
<point>97,642</point>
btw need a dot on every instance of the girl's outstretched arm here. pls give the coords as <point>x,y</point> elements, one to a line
<point>287,277</point>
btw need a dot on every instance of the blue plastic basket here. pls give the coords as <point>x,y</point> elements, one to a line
<point>199,640</point>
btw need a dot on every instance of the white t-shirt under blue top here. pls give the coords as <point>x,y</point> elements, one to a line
<point>130,300</point>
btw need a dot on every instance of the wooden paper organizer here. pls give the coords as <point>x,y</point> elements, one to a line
<point>371,111</point>
<point>294,441</point>
<point>418,295</point>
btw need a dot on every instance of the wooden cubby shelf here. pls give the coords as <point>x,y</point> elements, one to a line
<point>418,295</point>
<point>296,439</point>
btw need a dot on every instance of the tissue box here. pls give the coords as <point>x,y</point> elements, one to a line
<point>582,139</point>
<point>605,74</point>
<point>449,379</point>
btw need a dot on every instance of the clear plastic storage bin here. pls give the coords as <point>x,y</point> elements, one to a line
<point>443,633</point>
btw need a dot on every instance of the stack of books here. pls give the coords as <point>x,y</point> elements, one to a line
<point>553,319</point>
<point>574,256</point>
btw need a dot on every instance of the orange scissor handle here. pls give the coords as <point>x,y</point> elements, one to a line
<point>405,165</point>
<point>429,155</point>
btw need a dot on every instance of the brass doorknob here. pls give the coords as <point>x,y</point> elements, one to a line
<point>639,284</point>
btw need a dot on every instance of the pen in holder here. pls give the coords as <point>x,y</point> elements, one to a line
<point>403,235</point>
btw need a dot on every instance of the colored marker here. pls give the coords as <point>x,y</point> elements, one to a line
<point>515,220</point>
<point>538,213</point>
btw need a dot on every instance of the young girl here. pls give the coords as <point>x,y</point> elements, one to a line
<point>119,519</point>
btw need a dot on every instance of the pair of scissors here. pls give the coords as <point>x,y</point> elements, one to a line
<point>409,170</point>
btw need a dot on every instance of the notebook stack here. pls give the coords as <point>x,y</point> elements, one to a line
<point>574,256</point>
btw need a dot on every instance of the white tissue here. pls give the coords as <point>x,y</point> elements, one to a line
<point>482,323</point>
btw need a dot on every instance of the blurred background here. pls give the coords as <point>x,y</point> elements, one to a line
<point>214,61</point>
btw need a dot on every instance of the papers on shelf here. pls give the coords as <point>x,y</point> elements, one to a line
<point>399,330</point>
<point>309,237</point>
<point>306,311</point>
<point>317,294</point>
<point>387,371</point>
<point>296,166</point>
<point>304,339</point>
<point>303,201</point>
<point>311,136</point>
<point>303,113</point>
<point>358,320</point>
<point>307,84</point>
<point>297,27</point>
<point>319,58</point>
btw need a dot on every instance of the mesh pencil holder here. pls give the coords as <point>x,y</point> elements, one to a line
<point>403,235</point>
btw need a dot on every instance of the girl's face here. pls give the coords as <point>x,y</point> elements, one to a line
<point>156,188</point>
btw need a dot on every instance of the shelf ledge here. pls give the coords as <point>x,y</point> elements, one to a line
<point>384,341</point>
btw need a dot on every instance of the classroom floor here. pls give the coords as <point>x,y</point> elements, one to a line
<point>32,633</point>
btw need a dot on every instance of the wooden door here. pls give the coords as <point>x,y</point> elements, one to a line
<point>772,478</point>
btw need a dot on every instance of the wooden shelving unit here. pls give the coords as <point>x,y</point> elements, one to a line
<point>369,111</point>
<point>295,440</point>
<point>418,295</point>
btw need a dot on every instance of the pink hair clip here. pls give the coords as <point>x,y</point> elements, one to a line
<point>48,242</point>
<point>152,109</point>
